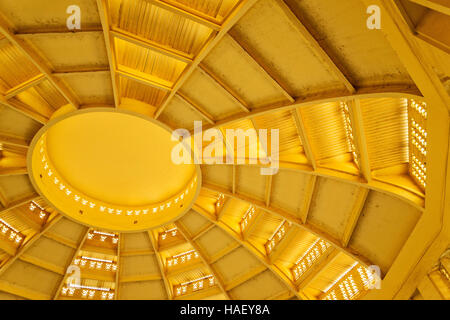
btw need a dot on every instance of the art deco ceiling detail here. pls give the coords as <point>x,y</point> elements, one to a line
<point>363,150</point>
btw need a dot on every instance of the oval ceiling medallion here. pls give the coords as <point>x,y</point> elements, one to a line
<point>112,169</point>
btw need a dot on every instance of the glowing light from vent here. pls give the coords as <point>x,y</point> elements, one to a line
<point>42,213</point>
<point>418,141</point>
<point>168,233</point>
<point>87,292</point>
<point>11,233</point>
<point>277,236</point>
<point>349,131</point>
<point>95,263</point>
<point>248,216</point>
<point>194,285</point>
<point>351,285</point>
<point>318,248</point>
<point>103,236</point>
<point>182,258</point>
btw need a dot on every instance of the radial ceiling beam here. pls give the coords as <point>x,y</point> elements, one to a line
<point>188,15</point>
<point>259,255</point>
<point>4,172</point>
<point>150,45</point>
<point>431,234</point>
<point>6,138</point>
<point>143,78</point>
<point>234,179</point>
<point>223,87</point>
<point>295,221</point>
<point>29,243</point>
<point>360,139</point>
<point>301,131</point>
<point>117,278</point>
<point>268,190</point>
<point>442,6</point>
<point>202,256</point>
<point>203,231</point>
<point>19,203</point>
<point>307,199</point>
<point>25,85</point>
<point>222,210</point>
<point>23,109</point>
<point>103,10</point>
<point>356,212</point>
<point>161,266</point>
<point>195,108</point>
<point>71,262</point>
<point>256,61</point>
<point>315,46</point>
<point>259,214</point>
<point>233,18</point>
<point>37,61</point>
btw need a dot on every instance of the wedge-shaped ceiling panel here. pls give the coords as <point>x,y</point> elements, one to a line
<point>51,252</point>
<point>289,190</point>
<point>179,114</point>
<point>16,187</point>
<point>264,286</point>
<point>15,123</point>
<point>139,266</point>
<point>219,175</point>
<point>90,87</point>
<point>145,290</point>
<point>71,51</point>
<point>250,182</point>
<point>237,69</point>
<point>325,128</point>
<point>68,229</point>
<point>13,59</point>
<point>8,296</point>
<point>214,241</point>
<point>135,241</point>
<point>205,93</point>
<point>159,25</point>
<point>341,28</point>
<point>230,270</point>
<point>194,222</point>
<point>28,276</point>
<point>331,205</point>
<point>386,131</point>
<point>269,34</point>
<point>384,226</point>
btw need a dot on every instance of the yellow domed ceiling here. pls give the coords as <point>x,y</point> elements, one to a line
<point>86,116</point>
